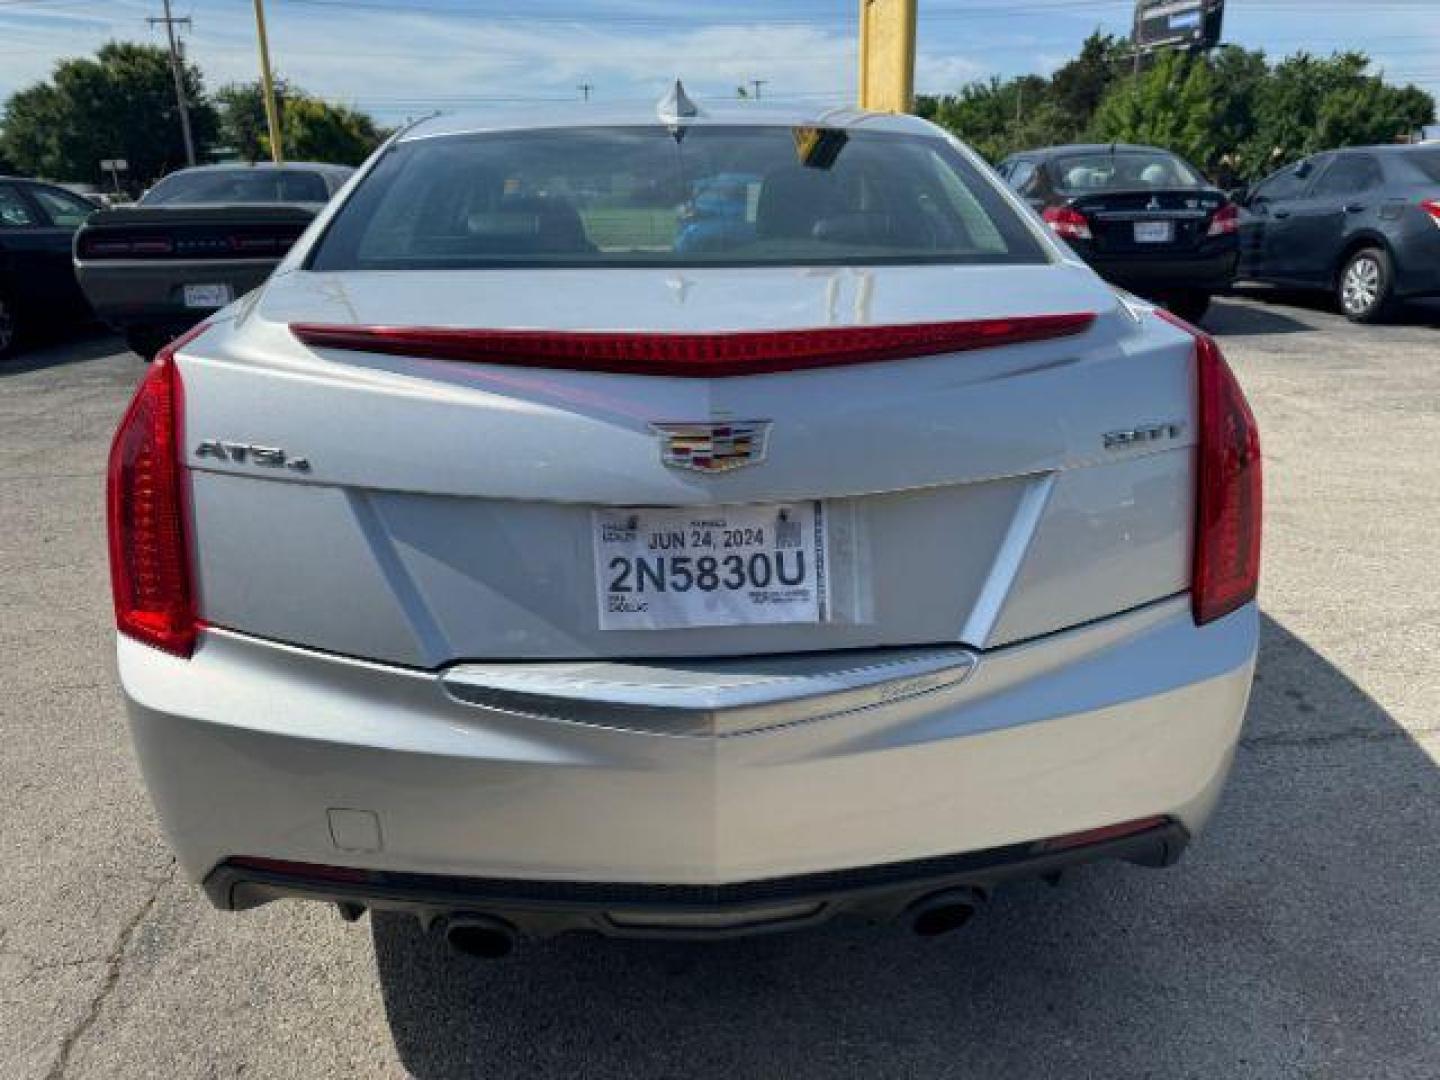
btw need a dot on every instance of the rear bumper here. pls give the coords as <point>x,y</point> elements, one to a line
<point>261,750</point>
<point>547,908</point>
<point>127,293</point>
<point>1208,271</point>
<point>1417,261</point>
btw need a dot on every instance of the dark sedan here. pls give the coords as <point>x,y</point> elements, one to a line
<point>37,281</point>
<point>1144,218</point>
<point>1362,223</point>
<point>196,241</point>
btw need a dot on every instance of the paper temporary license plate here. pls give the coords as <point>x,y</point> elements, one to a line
<point>208,296</point>
<point>1154,232</point>
<point>669,569</point>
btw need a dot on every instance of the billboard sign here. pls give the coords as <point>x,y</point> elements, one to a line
<point>1183,24</point>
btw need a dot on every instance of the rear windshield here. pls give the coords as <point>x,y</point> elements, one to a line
<point>1123,170</point>
<point>239,186</point>
<point>632,196</point>
<point>1428,162</point>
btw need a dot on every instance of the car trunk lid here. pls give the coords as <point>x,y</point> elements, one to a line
<point>1150,220</point>
<point>449,510</point>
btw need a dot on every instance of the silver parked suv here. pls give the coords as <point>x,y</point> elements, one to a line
<point>681,523</point>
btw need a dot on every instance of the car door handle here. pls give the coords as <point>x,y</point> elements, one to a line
<point>1354,208</point>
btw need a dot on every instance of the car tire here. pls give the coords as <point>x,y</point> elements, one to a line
<point>9,328</point>
<point>146,341</point>
<point>1365,286</point>
<point>1189,305</point>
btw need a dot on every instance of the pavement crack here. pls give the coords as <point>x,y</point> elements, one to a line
<point>114,963</point>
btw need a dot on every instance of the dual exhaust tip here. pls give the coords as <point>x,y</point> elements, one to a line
<point>484,937</point>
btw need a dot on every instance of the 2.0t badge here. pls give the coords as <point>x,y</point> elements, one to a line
<point>715,446</point>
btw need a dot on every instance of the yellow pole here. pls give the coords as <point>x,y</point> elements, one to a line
<point>267,86</point>
<point>887,55</point>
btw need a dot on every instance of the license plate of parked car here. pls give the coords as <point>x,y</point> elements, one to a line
<point>208,296</point>
<point>672,568</point>
<point>1154,232</point>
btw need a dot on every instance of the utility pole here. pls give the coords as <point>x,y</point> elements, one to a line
<point>887,55</point>
<point>585,89</point>
<point>267,85</point>
<point>756,84</point>
<point>177,69</point>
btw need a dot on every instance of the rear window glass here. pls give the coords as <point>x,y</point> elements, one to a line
<point>633,196</point>
<point>1428,162</point>
<point>239,186</point>
<point>1123,170</point>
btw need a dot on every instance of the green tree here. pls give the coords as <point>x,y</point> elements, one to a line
<point>998,117</point>
<point>310,129</point>
<point>1240,77</point>
<point>1077,88</point>
<point>120,104</point>
<point>242,117</point>
<point>1174,104</point>
<point>1311,103</point>
<point>315,130</point>
<point>1230,102</point>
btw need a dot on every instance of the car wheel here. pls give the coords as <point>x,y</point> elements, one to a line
<point>1190,306</point>
<point>1365,286</point>
<point>9,327</point>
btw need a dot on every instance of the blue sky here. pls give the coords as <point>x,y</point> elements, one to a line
<point>406,58</point>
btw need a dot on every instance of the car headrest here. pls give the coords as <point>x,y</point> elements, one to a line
<point>792,200</point>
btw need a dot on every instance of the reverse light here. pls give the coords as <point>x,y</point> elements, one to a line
<point>145,513</point>
<point>1228,486</point>
<point>706,355</point>
<point>1432,207</point>
<point>1068,222</point>
<point>1225,222</point>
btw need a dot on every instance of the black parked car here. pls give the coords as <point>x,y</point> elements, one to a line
<point>197,240</point>
<point>1144,218</point>
<point>37,278</point>
<point>1363,223</point>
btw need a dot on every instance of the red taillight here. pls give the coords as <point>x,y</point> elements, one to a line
<point>108,246</point>
<point>1228,486</point>
<point>1067,222</point>
<point>145,512</point>
<point>693,355</point>
<point>1225,221</point>
<point>1102,834</point>
<point>154,245</point>
<point>1432,207</point>
<point>320,871</point>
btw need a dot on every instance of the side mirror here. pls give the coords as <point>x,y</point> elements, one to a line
<point>1240,196</point>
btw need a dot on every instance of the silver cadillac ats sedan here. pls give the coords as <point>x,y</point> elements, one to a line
<point>681,522</point>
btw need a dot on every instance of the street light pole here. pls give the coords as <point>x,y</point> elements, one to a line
<point>267,85</point>
<point>178,71</point>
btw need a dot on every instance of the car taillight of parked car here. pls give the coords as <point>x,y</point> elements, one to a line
<point>1228,503</point>
<point>1432,207</point>
<point>1067,222</point>
<point>145,512</point>
<point>1225,221</point>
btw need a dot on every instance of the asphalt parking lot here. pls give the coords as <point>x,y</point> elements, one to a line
<point>1300,937</point>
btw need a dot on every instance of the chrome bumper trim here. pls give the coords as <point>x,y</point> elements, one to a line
<point>710,698</point>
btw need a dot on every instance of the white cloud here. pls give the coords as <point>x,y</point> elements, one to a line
<point>946,74</point>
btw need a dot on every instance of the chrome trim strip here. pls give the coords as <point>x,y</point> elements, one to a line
<point>710,698</point>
